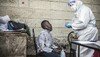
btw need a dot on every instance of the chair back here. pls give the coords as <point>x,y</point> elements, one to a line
<point>72,37</point>
<point>34,39</point>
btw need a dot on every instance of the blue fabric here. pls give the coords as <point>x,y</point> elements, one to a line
<point>10,27</point>
<point>68,25</point>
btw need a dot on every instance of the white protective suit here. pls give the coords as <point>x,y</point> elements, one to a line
<point>45,42</point>
<point>3,23</point>
<point>84,24</point>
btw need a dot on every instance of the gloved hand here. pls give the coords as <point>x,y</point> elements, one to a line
<point>68,25</point>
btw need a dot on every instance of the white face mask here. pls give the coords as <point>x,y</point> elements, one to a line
<point>74,7</point>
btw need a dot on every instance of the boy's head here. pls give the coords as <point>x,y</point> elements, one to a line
<point>46,25</point>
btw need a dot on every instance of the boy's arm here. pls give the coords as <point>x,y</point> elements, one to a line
<point>41,42</point>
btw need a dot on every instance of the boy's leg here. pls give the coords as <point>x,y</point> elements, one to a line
<point>51,54</point>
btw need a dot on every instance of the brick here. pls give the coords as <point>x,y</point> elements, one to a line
<point>63,0</point>
<point>87,1</point>
<point>23,3</point>
<point>16,13</point>
<point>58,6</point>
<point>40,14</point>
<point>51,0</point>
<point>98,24</point>
<point>60,32</point>
<point>89,5</point>
<point>20,20</point>
<point>2,11</point>
<point>58,23</point>
<point>37,0</point>
<point>9,3</point>
<point>96,1</point>
<point>33,22</point>
<point>97,16</point>
<point>96,8</point>
<point>51,14</point>
<point>37,22</point>
<point>61,15</point>
<point>40,4</point>
<point>54,0</point>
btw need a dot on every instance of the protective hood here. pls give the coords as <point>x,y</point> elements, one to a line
<point>75,4</point>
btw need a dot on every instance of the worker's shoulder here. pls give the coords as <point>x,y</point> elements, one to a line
<point>85,8</point>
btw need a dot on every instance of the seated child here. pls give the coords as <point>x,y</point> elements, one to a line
<point>45,41</point>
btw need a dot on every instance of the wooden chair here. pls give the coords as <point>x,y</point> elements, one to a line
<point>35,45</point>
<point>71,37</point>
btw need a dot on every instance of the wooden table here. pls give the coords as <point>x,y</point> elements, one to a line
<point>13,44</point>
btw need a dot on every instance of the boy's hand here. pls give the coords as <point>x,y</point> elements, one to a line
<point>58,50</point>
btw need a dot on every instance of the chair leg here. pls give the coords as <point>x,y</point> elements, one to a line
<point>70,53</point>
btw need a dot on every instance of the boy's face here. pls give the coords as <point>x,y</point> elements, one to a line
<point>48,26</point>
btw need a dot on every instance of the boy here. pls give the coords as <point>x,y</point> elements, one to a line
<point>45,41</point>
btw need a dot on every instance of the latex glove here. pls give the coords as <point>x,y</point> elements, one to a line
<point>68,25</point>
